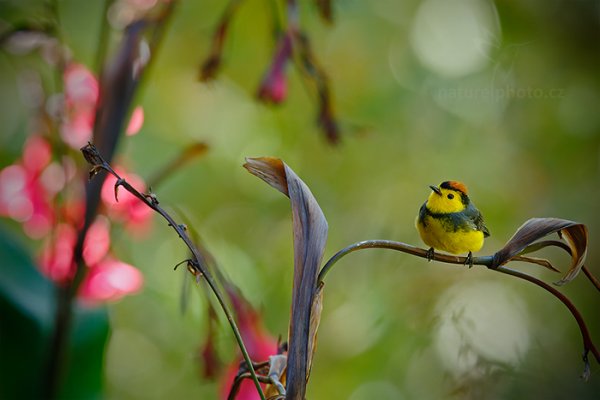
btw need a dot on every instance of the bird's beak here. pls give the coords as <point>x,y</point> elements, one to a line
<point>436,190</point>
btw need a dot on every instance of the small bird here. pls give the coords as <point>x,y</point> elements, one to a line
<point>449,221</point>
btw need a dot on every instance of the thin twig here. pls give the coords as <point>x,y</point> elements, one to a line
<point>186,155</point>
<point>235,387</point>
<point>98,163</point>
<point>591,277</point>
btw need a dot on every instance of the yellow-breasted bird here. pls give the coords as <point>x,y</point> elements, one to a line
<point>449,221</point>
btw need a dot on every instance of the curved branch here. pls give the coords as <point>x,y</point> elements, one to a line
<point>405,248</point>
<point>487,261</point>
<point>588,345</point>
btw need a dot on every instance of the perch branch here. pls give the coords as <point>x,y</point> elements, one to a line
<point>488,261</point>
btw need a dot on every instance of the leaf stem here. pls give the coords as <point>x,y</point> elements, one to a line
<point>103,37</point>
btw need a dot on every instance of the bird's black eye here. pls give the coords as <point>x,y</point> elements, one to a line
<point>450,196</point>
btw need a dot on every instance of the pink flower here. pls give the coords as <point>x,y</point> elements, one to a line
<point>128,208</point>
<point>81,87</point>
<point>259,343</point>
<point>81,98</point>
<point>273,87</point>
<point>97,241</point>
<point>110,280</point>
<point>56,257</point>
<point>107,279</point>
<point>77,130</point>
<point>136,121</point>
<point>36,154</point>
<point>23,197</point>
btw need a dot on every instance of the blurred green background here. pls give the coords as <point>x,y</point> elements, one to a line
<point>503,96</point>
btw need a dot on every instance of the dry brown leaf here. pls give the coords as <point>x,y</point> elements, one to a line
<point>310,235</point>
<point>277,369</point>
<point>524,241</point>
<point>270,170</point>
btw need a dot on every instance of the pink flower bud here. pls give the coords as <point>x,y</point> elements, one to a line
<point>273,87</point>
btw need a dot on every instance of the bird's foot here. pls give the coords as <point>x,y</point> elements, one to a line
<point>469,260</point>
<point>430,254</point>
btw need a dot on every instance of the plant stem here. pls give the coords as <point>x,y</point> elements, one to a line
<point>57,351</point>
<point>591,277</point>
<point>198,263</point>
<point>103,37</point>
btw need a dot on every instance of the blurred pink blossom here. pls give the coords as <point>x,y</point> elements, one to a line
<point>36,153</point>
<point>81,87</point>
<point>77,130</point>
<point>136,121</point>
<point>28,190</point>
<point>97,241</point>
<point>81,98</point>
<point>23,197</point>
<point>128,209</point>
<point>56,257</point>
<point>259,343</point>
<point>110,280</point>
<point>273,87</point>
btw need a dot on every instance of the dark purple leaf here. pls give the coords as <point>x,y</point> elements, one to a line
<point>525,240</point>
<point>310,235</point>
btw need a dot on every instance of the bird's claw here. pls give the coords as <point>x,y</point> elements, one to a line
<point>469,260</point>
<point>430,254</point>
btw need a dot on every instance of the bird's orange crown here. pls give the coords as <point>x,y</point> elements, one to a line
<point>454,185</point>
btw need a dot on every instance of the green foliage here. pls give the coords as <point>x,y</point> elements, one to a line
<point>27,305</point>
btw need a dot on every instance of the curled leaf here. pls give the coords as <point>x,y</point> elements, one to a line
<point>277,369</point>
<point>270,170</point>
<point>525,241</point>
<point>310,235</point>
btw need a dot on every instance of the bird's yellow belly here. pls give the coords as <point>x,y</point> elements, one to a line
<point>435,235</point>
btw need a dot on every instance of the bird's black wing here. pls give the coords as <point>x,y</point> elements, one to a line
<point>475,217</point>
<point>423,211</point>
